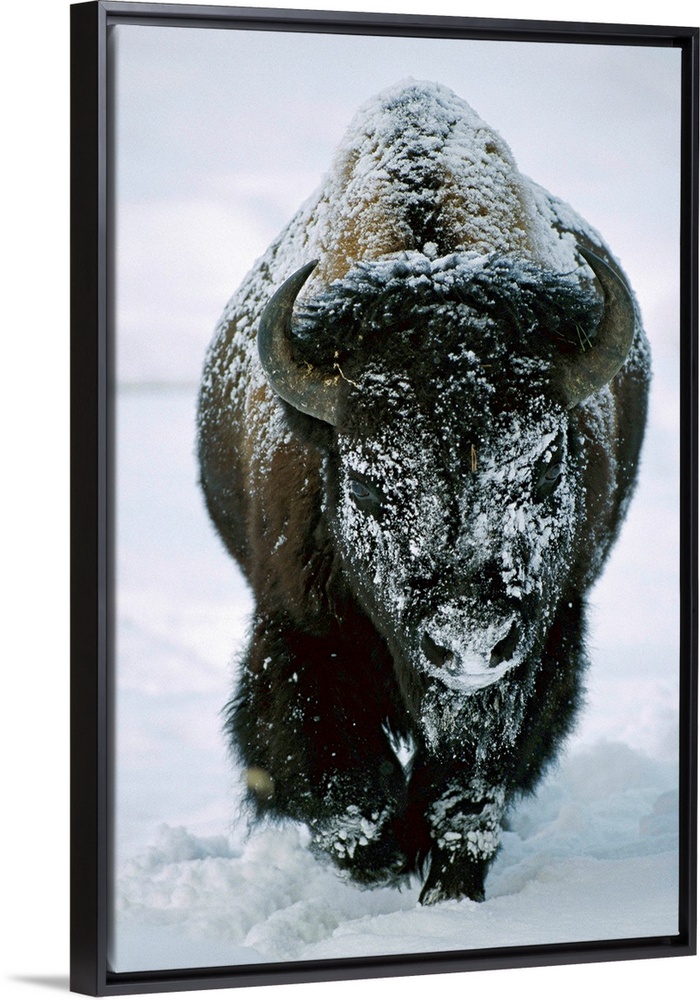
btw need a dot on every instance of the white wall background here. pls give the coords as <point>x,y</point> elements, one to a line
<point>35,516</point>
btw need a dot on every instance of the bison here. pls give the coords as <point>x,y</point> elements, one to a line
<point>419,427</point>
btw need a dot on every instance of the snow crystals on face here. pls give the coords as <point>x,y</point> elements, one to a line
<point>393,547</point>
<point>531,533</point>
<point>457,528</point>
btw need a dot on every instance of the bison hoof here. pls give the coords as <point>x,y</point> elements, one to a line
<point>372,865</point>
<point>457,881</point>
<point>368,854</point>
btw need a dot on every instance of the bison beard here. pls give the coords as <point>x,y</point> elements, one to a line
<point>420,422</point>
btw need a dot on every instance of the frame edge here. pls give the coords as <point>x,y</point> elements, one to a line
<point>88,910</point>
<point>89,547</point>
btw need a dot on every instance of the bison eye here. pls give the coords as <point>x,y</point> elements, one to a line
<point>549,469</point>
<point>548,478</point>
<point>365,495</point>
<point>359,490</point>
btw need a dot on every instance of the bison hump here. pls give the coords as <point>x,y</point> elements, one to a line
<point>418,170</point>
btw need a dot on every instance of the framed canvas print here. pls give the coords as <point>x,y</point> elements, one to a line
<point>384,360</point>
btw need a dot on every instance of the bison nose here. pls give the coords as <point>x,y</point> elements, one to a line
<point>471,660</point>
<point>439,656</point>
<point>504,649</point>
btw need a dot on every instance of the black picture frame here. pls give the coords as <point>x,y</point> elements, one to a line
<point>92,465</point>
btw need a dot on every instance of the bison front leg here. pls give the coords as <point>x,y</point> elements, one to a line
<point>311,733</point>
<point>465,830</point>
<point>454,821</point>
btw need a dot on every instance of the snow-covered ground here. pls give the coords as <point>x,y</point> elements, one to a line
<point>211,161</point>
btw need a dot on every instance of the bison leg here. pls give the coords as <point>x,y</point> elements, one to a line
<point>465,829</point>
<point>454,819</point>
<point>309,722</point>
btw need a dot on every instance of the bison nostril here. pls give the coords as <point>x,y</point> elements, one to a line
<point>439,656</point>
<point>504,649</point>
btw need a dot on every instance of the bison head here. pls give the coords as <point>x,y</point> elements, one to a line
<point>453,464</point>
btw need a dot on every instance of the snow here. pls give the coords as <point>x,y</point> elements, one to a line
<point>588,859</point>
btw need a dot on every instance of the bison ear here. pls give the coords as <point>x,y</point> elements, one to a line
<point>306,388</point>
<point>578,376</point>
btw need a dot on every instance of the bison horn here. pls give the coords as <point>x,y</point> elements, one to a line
<point>300,384</point>
<point>594,366</point>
